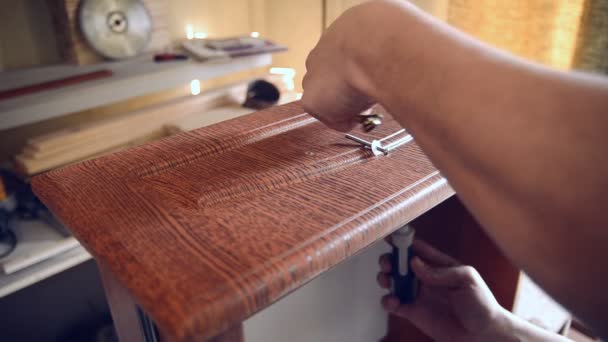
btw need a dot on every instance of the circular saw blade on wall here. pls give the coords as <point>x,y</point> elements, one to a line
<point>116,29</point>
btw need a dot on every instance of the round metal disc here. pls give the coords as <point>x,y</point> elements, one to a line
<point>116,29</point>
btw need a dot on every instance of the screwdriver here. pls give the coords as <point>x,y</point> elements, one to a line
<point>167,57</point>
<point>405,285</point>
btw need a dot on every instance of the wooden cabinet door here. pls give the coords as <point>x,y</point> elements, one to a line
<point>207,227</point>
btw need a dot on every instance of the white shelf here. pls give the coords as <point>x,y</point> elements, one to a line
<point>37,241</point>
<point>130,79</point>
<point>33,274</point>
<point>41,252</point>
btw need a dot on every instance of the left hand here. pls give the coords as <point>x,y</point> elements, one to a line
<point>453,304</point>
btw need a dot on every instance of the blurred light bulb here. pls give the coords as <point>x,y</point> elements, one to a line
<point>255,34</point>
<point>195,87</point>
<point>200,35</point>
<point>283,71</point>
<point>189,32</point>
<point>287,74</point>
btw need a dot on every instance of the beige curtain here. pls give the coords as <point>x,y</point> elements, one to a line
<point>592,47</point>
<point>565,34</point>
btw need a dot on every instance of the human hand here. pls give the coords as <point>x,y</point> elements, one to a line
<point>335,87</point>
<point>453,303</point>
<point>373,52</point>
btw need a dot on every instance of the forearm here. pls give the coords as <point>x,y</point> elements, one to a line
<point>511,328</point>
<point>523,146</point>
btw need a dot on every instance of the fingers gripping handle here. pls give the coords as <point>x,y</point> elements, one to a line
<point>405,286</point>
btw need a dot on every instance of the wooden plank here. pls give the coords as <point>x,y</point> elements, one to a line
<point>29,166</point>
<point>207,227</point>
<point>80,142</point>
<point>210,117</point>
<point>158,114</point>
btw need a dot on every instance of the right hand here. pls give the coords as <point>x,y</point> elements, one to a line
<point>453,304</point>
<point>354,64</point>
<point>330,86</point>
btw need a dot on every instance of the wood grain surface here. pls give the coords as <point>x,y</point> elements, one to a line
<point>207,227</point>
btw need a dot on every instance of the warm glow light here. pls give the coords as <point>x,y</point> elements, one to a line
<point>195,87</point>
<point>288,76</point>
<point>283,71</point>
<point>189,32</point>
<point>566,24</point>
<point>255,34</point>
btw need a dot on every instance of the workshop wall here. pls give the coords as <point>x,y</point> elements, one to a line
<point>26,35</point>
<point>333,8</point>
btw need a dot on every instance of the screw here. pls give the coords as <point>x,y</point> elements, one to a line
<point>370,121</point>
<point>375,145</point>
<point>359,140</point>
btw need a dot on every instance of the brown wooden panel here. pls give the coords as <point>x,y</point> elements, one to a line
<point>451,228</point>
<point>207,227</point>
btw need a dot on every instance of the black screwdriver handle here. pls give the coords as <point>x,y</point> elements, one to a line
<point>405,287</point>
